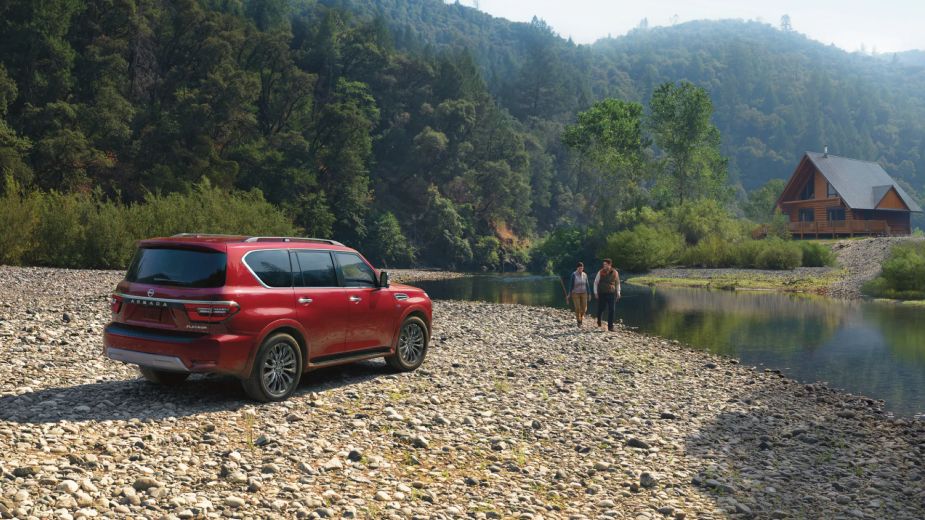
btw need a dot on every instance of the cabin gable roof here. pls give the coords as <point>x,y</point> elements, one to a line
<point>860,184</point>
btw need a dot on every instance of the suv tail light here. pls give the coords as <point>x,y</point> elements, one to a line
<point>115,303</point>
<point>211,313</point>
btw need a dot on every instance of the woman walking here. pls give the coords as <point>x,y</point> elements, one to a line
<point>578,290</point>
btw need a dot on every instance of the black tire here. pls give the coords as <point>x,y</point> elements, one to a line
<point>411,348</point>
<point>277,370</point>
<point>163,377</point>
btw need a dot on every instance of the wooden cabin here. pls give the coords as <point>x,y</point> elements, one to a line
<point>835,196</point>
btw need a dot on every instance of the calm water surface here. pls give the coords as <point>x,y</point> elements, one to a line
<point>869,348</point>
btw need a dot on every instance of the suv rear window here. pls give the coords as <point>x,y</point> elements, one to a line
<point>178,267</point>
<point>271,267</point>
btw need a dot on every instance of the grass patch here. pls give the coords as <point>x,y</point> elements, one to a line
<point>784,282</point>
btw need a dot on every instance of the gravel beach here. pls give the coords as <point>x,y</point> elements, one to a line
<point>516,413</point>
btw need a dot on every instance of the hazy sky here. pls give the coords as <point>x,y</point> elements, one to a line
<point>888,25</point>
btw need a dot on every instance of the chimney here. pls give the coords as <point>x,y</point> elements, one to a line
<point>825,151</point>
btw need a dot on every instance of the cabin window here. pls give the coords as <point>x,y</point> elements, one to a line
<point>809,191</point>
<point>836,214</point>
<point>830,190</point>
<point>807,215</point>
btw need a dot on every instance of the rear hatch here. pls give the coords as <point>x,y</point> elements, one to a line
<point>173,287</point>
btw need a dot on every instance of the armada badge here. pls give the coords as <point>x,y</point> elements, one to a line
<point>150,293</point>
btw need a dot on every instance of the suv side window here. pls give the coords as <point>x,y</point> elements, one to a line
<point>355,271</point>
<point>317,269</point>
<point>271,267</point>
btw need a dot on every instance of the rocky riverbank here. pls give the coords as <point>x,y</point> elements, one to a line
<point>515,414</point>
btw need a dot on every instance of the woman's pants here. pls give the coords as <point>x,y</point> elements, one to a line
<point>580,301</point>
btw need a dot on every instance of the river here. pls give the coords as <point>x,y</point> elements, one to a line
<point>870,348</point>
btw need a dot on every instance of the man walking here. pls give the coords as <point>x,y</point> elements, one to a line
<point>607,291</point>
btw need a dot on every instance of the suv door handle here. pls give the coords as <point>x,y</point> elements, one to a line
<point>355,299</point>
<point>305,300</point>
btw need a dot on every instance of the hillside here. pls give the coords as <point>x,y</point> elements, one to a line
<point>776,93</point>
<point>428,132</point>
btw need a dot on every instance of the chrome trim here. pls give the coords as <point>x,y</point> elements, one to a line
<point>294,239</point>
<point>174,300</point>
<point>145,359</point>
<point>401,296</point>
<point>305,300</point>
<point>356,299</point>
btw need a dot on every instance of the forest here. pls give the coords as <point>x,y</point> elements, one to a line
<point>420,132</point>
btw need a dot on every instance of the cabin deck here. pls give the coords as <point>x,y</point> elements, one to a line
<point>843,228</point>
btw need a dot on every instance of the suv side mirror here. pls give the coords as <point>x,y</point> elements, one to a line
<point>383,280</point>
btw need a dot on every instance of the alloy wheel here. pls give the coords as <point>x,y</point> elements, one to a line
<point>279,369</point>
<point>411,343</point>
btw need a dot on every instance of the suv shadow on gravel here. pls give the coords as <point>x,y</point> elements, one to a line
<point>135,399</point>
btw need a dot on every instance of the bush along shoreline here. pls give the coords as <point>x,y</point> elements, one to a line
<point>903,274</point>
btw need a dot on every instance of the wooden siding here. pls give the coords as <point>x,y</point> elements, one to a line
<point>892,201</point>
<point>893,219</point>
<point>820,209</point>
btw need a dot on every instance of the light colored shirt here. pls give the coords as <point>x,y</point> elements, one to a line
<point>579,283</point>
<point>597,280</point>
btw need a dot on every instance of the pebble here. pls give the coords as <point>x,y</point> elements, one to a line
<point>516,413</point>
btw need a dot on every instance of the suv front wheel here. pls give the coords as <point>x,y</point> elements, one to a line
<point>277,369</point>
<point>411,347</point>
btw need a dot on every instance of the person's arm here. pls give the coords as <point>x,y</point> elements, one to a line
<point>618,282</point>
<point>587,282</point>
<point>597,280</point>
<point>571,286</point>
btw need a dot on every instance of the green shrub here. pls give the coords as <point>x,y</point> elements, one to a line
<point>779,226</point>
<point>387,244</point>
<point>18,219</point>
<point>903,274</point>
<point>84,230</point>
<point>699,219</point>
<point>746,253</point>
<point>560,250</point>
<point>642,248</point>
<point>816,255</point>
<point>59,235</point>
<point>779,254</point>
<point>712,251</point>
<point>485,253</point>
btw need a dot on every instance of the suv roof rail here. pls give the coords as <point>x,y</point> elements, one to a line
<point>294,239</point>
<point>214,235</point>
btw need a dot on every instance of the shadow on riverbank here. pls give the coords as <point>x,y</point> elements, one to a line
<point>804,451</point>
<point>137,399</point>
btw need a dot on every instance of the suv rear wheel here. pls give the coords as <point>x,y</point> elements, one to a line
<point>163,377</point>
<point>411,347</point>
<point>277,369</point>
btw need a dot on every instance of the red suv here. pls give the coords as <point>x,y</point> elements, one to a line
<point>263,309</point>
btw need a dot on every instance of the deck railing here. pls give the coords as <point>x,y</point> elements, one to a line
<point>841,227</point>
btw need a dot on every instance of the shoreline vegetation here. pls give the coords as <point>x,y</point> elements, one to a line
<point>862,268</point>
<point>557,422</point>
<point>800,280</point>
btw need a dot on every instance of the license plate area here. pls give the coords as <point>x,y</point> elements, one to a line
<point>144,313</point>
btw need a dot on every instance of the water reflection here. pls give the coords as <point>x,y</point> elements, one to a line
<point>869,348</point>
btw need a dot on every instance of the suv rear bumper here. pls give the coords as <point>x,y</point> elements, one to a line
<point>144,359</point>
<point>162,350</point>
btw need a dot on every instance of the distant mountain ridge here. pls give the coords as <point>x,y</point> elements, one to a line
<point>776,93</point>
